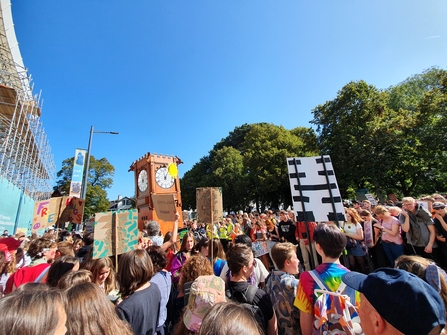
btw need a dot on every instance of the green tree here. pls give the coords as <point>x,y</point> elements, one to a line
<point>99,179</point>
<point>228,169</point>
<point>344,129</point>
<point>266,149</point>
<point>383,140</point>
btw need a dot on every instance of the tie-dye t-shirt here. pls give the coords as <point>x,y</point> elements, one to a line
<point>330,274</point>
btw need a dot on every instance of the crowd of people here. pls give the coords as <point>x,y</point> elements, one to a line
<point>251,273</point>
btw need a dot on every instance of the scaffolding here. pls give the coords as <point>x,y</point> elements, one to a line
<point>25,154</point>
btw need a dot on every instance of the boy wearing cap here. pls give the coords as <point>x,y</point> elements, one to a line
<point>396,302</point>
<point>329,243</point>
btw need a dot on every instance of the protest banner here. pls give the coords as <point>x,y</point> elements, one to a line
<point>164,205</point>
<point>115,233</point>
<point>47,212</point>
<point>209,204</point>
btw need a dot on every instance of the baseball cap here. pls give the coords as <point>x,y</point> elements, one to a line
<point>404,300</point>
<point>206,291</point>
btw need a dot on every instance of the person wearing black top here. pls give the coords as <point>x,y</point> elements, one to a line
<point>286,228</point>
<point>241,264</point>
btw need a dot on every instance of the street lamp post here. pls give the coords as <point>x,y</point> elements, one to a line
<point>87,164</point>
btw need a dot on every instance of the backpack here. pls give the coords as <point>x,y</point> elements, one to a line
<point>335,312</point>
<point>246,301</point>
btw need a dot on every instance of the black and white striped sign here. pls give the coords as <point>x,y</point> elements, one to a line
<point>315,193</point>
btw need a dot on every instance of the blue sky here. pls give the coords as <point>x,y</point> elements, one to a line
<point>175,77</point>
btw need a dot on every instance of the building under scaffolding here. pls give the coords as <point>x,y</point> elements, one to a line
<point>27,167</point>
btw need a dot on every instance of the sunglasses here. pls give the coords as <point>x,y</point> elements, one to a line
<point>436,208</point>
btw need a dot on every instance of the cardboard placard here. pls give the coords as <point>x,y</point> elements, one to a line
<point>127,230</point>
<point>103,235</point>
<point>164,205</point>
<point>47,212</point>
<point>115,233</point>
<point>209,204</point>
<point>73,212</point>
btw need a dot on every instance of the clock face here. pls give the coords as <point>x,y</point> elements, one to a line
<point>163,178</point>
<point>142,181</point>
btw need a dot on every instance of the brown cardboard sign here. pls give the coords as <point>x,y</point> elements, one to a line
<point>164,205</point>
<point>209,204</point>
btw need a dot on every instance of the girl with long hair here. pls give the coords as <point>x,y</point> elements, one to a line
<point>92,313</point>
<point>186,250</point>
<point>353,231</point>
<point>103,274</point>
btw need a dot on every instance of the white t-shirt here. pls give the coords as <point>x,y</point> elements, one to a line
<point>260,272</point>
<point>351,228</point>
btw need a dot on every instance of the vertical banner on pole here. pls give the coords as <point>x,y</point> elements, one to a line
<point>209,204</point>
<point>315,193</point>
<point>78,171</point>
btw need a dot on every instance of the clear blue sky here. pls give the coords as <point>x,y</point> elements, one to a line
<point>175,77</point>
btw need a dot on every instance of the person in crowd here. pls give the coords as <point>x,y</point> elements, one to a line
<point>162,279</point>
<point>225,229</point>
<point>60,267</point>
<point>417,223</point>
<point>286,228</point>
<point>171,251</point>
<point>392,242</point>
<point>64,249</point>
<point>281,286</point>
<point>330,243</point>
<point>259,238</point>
<point>6,268</point>
<point>272,234</point>
<point>206,291</point>
<point>395,211</point>
<point>406,304</point>
<point>303,241</point>
<point>260,272</point>
<point>440,220</point>
<point>141,299</point>
<point>42,252</point>
<point>354,233</point>
<point>197,231</point>
<point>154,233</point>
<point>143,240</point>
<point>33,312</point>
<point>77,245</point>
<point>427,271</point>
<point>87,244</point>
<point>217,257</point>
<point>373,240</point>
<point>203,246</point>
<point>186,250</point>
<point>367,205</point>
<point>73,278</point>
<point>5,233</point>
<point>245,224</point>
<point>242,264</point>
<point>238,320</point>
<point>90,312</point>
<point>357,205</point>
<point>103,274</point>
<point>194,267</point>
<point>22,257</point>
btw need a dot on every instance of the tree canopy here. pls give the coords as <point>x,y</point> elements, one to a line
<point>382,139</point>
<point>99,179</point>
<point>250,166</point>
